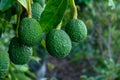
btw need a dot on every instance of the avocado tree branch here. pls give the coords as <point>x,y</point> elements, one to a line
<point>29,9</point>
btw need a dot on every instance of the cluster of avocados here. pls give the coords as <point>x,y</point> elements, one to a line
<point>20,47</point>
<point>29,35</point>
<point>58,42</point>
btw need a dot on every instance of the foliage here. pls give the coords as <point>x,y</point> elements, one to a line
<point>98,54</point>
<point>53,14</point>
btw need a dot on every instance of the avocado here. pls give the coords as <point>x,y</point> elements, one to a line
<point>30,32</point>
<point>4,63</point>
<point>19,53</point>
<point>36,11</point>
<point>58,43</point>
<point>76,29</point>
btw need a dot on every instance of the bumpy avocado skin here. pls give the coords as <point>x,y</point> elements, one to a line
<point>76,29</point>
<point>4,63</point>
<point>58,43</point>
<point>19,53</point>
<point>30,31</point>
<point>36,11</point>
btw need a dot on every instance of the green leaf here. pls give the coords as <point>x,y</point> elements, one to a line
<point>24,3</point>
<point>53,14</point>
<point>6,4</point>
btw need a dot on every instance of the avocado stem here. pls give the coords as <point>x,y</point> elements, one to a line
<point>18,18</point>
<point>29,9</point>
<point>74,9</point>
<point>59,26</point>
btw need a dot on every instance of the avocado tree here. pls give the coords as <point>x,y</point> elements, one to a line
<point>83,32</point>
<point>33,23</point>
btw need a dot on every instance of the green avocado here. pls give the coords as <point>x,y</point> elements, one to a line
<point>76,29</point>
<point>4,63</point>
<point>30,32</point>
<point>36,11</point>
<point>58,43</point>
<point>19,53</point>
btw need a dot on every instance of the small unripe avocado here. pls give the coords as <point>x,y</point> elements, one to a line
<point>36,11</point>
<point>76,29</point>
<point>58,43</point>
<point>19,53</point>
<point>4,63</point>
<point>30,31</point>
